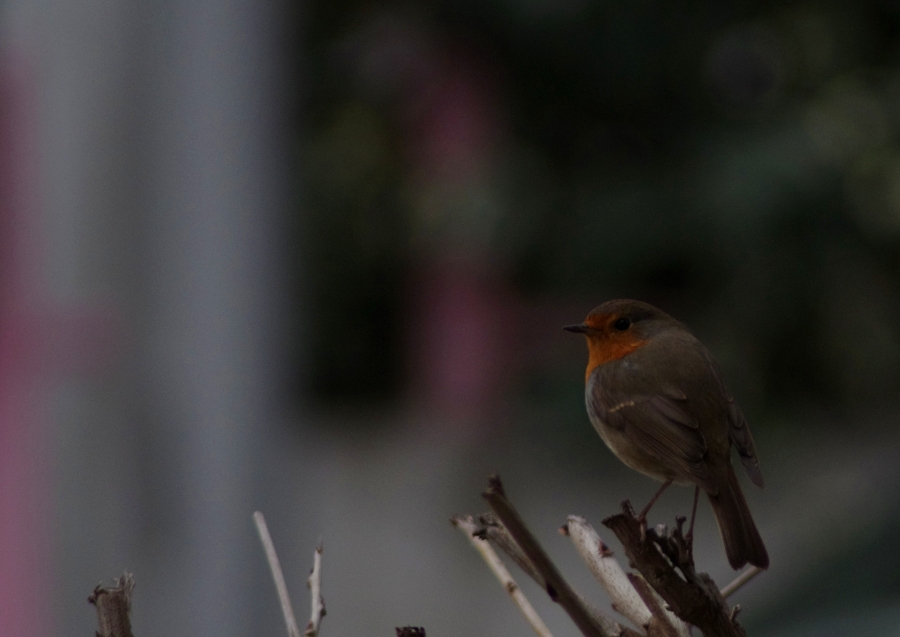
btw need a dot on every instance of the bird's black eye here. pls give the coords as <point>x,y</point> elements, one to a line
<point>622,324</point>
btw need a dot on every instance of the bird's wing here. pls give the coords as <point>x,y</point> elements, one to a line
<point>661,425</point>
<point>738,429</point>
<point>740,435</point>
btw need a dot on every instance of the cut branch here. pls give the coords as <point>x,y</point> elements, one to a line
<point>467,525</point>
<point>558,589</point>
<point>114,608</point>
<point>314,582</point>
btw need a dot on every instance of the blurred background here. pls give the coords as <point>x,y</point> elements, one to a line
<point>313,258</point>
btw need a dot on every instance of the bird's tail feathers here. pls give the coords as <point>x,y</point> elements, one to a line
<point>743,543</point>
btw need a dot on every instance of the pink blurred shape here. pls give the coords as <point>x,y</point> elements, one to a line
<point>461,329</point>
<point>24,550</point>
<point>456,127</point>
<point>36,342</point>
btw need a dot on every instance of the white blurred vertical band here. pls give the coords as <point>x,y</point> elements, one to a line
<point>214,289</point>
<point>162,192</point>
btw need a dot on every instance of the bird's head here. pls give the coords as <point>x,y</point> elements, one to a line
<point>617,328</point>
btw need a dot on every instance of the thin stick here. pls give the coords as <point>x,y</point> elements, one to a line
<point>740,580</point>
<point>314,582</point>
<point>557,587</point>
<point>467,525</point>
<point>277,575</point>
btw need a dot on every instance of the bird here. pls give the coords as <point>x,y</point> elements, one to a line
<point>658,399</point>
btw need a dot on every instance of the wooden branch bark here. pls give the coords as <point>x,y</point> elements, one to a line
<point>692,596</point>
<point>466,524</point>
<point>114,608</point>
<point>492,529</point>
<point>621,588</point>
<point>558,589</point>
<point>659,625</point>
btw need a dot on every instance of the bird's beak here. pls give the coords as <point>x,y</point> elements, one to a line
<point>580,328</point>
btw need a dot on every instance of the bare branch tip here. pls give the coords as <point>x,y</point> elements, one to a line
<point>627,509</point>
<point>460,518</point>
<point>495,486</point>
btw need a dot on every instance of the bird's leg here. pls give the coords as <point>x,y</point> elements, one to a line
<point>689,538</point>
<point>642,516</point>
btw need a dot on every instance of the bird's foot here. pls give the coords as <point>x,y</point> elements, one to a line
<point>687,541</point>
<point>683,543</point>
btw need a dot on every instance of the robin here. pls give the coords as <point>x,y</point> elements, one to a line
<point>656,396</point>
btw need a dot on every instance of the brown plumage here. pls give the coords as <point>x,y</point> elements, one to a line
<point>657,398</point>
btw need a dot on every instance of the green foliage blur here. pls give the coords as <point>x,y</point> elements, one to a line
<point>735,163</point>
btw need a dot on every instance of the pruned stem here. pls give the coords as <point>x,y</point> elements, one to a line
<point>467,525</point>
<point>558,589</point>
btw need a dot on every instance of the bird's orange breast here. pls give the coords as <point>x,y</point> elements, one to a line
<point>612,347</point>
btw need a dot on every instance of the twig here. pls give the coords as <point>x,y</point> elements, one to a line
<point>492,529</point>
<point>114,608</point>
<point>269,547</point>
<point>314,582</point>
<point>695,597</point>
<point>558,589</point>
<point>740,580</point>
<point>467,525</point>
